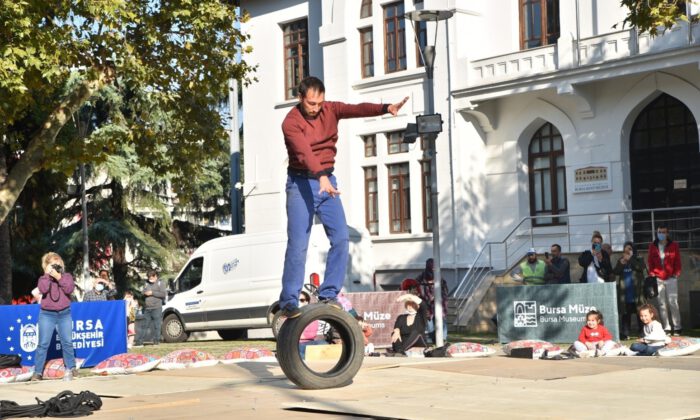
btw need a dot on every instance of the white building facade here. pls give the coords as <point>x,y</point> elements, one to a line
<point>547,113</point>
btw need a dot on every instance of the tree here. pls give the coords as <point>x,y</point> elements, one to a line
<point>652,15</point>
<point>181,52</point>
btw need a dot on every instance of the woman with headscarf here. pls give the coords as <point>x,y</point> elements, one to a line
<point>630,282</point>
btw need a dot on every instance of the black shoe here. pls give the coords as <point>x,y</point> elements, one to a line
<point>291,313</point>
<point>331,302</point>
<point>676,333</point>
<point>624,337</point>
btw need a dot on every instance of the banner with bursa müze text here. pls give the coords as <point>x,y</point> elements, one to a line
<point>99,331</point>
<point>554,313</point>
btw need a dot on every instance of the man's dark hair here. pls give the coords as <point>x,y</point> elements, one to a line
<point>311,83</point>
<point>103,270</point>
<point>152,273</point>
<point>558,247</point>
<point>662,225</point>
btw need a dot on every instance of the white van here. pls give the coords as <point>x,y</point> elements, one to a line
<point>233,283</point>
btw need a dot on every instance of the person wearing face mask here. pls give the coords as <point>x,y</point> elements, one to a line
<point>595,262</point>
<point>664,261</point>
<point>630,293</point>
<point>101,291</point>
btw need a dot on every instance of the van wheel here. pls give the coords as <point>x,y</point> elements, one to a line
<point>350,361</point>
<point>173,330</point>
<point>277,322</point>
<point>233,334</point>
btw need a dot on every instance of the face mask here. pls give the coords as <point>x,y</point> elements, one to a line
<point>661,236</point>
<point>597,247</point>
<point>100,287</point>
<point>411,311</point>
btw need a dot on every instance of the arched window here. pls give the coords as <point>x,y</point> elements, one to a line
<point>547,176</point>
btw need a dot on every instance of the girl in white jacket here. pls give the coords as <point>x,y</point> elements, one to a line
<point>654,335</point>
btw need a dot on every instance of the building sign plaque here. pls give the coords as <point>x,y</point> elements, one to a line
<point>592,178</point>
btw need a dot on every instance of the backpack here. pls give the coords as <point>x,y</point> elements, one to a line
<point>9,360</point>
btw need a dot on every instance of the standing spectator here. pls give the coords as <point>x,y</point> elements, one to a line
<point>630,282</point>
<point>104,275</point>
<point>531,271</point>
<point>132,306</point>
<point>101,291</point>
<point>426,279</point>
<point>595,262</point>
<point>558,269</point>
<point>154,292</point>
<point>55,286</point>
<point>664,260</point>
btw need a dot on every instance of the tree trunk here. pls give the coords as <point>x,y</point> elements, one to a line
<point>32,157</point>
<point>5,249</point>
<point>119,264</point>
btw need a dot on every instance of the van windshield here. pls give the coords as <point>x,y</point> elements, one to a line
<point>192,275</point>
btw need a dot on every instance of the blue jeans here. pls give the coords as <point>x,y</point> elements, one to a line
<point>48,322</point>
<point>303,202</point>
<point>644,349</point>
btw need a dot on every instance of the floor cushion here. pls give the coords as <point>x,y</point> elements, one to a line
<point>54,368</point>
<point>680,346</point>
<point>186,358</point>
<point>248,354</point>
<point>15,374</point>
<point>120,364</point>
<point>469,350</point>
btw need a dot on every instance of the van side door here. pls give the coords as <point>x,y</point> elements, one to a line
<point>189,286</point>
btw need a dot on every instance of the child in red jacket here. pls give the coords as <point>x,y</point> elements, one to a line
<point>594,336</point>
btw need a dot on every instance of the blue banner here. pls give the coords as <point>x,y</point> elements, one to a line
<point>99,331</point>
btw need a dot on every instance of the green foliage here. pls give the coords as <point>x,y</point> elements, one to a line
<point>169,62</point>
<point>654,15</point>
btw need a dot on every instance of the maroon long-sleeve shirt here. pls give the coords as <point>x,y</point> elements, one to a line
<point>56,293</point>
<point>311,142</point>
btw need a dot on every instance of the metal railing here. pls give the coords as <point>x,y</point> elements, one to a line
<point>574,235</point>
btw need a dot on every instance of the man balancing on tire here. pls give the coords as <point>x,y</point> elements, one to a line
<point>310,133</point>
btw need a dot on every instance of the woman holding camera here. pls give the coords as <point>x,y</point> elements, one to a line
<point>55,286</point>
<point>595,262</point>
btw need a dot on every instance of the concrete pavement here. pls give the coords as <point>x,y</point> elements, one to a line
<point>495,387</point>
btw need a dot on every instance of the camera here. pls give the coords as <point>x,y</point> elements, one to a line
<point>57,267</point>
<point>546,254</point>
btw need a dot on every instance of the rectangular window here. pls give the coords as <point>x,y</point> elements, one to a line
<point>422,41</point>
<point>539,23</point>
<point>399,199</point>
<point>371,200</point>
<point>394,37</point>
<point>366,9</point>
<point>370,145</point>
<point>367,48</point>
<point>296,55</point>
<point>427,196</point>
<point>395,143</point>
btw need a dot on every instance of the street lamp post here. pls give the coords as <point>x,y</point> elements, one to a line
<point>427,126</point>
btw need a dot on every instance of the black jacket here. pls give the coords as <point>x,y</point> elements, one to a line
<point>604,270</point>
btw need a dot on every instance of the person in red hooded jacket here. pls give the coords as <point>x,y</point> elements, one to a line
<point>664,261</point>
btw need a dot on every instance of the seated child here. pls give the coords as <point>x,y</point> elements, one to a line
<point>366,333</point>
<point>594,336</point>
<point>654,335</point>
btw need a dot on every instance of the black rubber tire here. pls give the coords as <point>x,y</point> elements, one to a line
<point>238,334</point>
<point>351,356</point>
<point>276,324</point>
<point>173,330</point>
